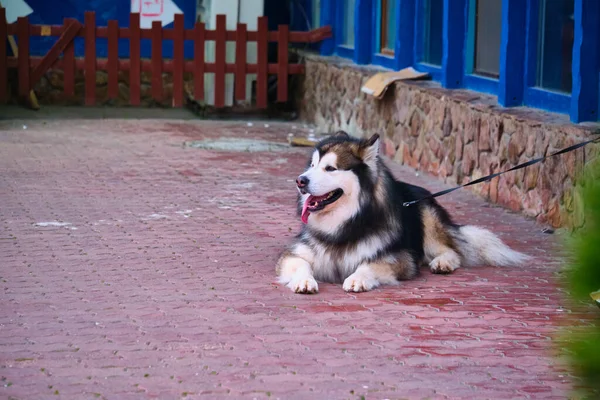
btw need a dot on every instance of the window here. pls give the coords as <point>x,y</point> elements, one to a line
<point>348,23</point>
<point>316,14</point>
<point>388,26</point>
<point>485,32</point>
<point>432,35</point>
<point>555,45</point>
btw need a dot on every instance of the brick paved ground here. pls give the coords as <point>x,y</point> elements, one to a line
<point>133,267</point>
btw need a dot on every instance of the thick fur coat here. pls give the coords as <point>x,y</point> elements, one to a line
<point>358,233</point>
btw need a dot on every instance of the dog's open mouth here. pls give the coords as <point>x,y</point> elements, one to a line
<point>317,203</point>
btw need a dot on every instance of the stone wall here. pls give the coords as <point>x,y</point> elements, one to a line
<point>458,135</point>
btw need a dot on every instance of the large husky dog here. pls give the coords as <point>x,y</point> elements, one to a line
<point>357,231</point>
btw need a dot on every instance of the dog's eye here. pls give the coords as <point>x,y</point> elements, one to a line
<point>329,168</point>
<point>312,165</point>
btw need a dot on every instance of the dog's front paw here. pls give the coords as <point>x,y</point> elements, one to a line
<point>359,282</point>
<point>304,285</point>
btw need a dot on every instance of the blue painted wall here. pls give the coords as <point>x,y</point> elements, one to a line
<point>51,13</point>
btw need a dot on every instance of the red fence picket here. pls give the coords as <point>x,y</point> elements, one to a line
<point>199,40</point>
<point>69,65</point>
<point>220,61</point>
<point>262,60</point>
<point>282,70</point>
<point>135,65</point>
<point>113,59</point>
<point>178,60</point>
<point>23,57</point>
<point>241,41</point>
<point>90,58</point>
<point>157,62</point>
<point>31,69</point>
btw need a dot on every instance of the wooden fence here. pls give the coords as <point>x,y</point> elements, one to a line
<point>31,69</point>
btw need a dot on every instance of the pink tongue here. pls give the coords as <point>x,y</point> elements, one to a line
<point>305,212</point>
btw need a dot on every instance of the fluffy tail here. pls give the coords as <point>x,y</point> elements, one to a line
<point>480,246</point>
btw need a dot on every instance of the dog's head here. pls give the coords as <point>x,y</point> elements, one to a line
<point>340,168</point>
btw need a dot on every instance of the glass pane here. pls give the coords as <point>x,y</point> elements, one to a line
<point>488,31</point>
<point>432,38</point>
<point>316,14</point>
<point>555,45</point>
<point>389,27</point>
<point>348,39</point>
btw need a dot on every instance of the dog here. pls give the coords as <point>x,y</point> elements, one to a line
<point>358,232</point>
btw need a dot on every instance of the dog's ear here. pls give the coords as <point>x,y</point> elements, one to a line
<point>341,134</point>
<point>371,141</point>
<point>370,151</point>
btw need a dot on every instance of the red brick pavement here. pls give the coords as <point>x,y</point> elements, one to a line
<point>160,282</point>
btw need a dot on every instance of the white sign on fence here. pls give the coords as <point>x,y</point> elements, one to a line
<point>15,9</point>
<point>155,10</point>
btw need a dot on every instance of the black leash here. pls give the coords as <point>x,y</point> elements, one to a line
<point>489,177</point>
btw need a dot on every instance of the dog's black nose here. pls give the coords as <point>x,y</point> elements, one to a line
<point>301,181</point>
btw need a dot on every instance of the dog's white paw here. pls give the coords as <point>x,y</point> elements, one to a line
<point>360,282</point>
<point>304,285</point>
<point>445,263</point>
